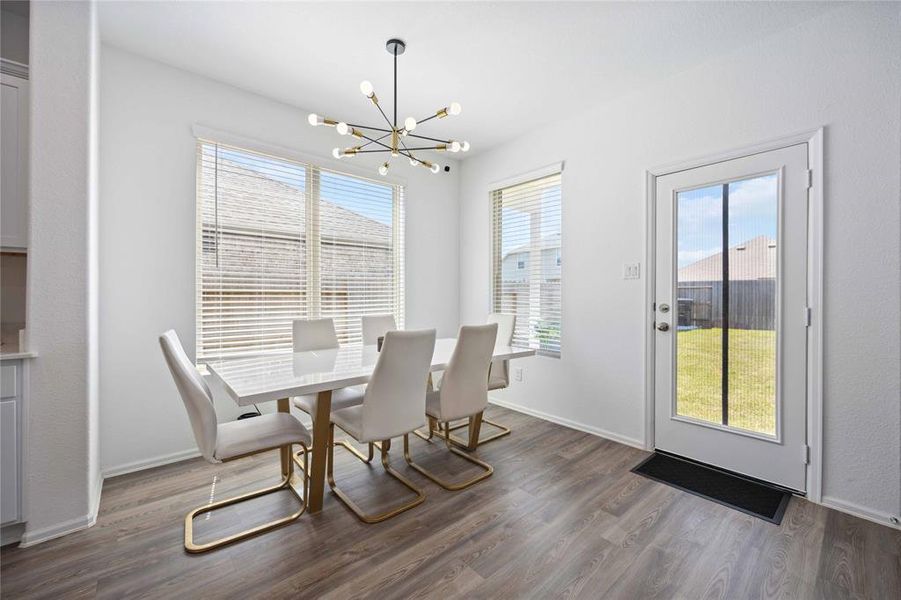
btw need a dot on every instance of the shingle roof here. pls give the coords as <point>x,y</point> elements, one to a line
<point>255,200</point>
<point>751,260</point>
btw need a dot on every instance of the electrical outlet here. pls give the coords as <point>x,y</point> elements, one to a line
<point>632,271</point>
<point>517,373</point>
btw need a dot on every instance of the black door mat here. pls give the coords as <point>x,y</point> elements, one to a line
<point>736,491</point>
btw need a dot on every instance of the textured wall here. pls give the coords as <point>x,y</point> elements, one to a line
<point>61,471</point>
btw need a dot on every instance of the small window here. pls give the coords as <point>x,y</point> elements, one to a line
<point>526,221</point>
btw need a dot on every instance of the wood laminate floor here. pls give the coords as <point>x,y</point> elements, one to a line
<point>562,516</point>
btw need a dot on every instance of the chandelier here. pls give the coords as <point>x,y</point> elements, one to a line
<point>394,139</point>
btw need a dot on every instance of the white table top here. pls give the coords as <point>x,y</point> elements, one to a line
<point>273,376</point>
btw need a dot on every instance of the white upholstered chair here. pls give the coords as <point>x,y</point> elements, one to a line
<point>375,326</point>
<point>499,375</point>
<point>319,334</point>
<point>393,405</point>
<point>463,394</point>
<point>498,378</point>
<point>230,441</point>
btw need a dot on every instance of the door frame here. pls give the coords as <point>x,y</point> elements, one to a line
<point>814,140</point>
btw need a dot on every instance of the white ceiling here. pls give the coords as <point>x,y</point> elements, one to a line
<point>511,65</point>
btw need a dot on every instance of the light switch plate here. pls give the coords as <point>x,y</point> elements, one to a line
<point>517,373</point>
<point>632,271</point>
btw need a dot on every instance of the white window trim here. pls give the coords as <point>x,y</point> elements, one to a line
<point>538,173</point>
<point>218,136</point>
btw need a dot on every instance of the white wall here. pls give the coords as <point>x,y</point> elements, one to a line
<point>147,239</point>
<point>841,70</point>
<point>61,472</point>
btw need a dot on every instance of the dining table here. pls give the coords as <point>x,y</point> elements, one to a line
<point>250,380</point>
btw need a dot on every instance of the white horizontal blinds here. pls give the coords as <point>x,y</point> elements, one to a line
<point>361,251</point>
<point>526,260</point>
<point>251,256</point>
<point>279,240</point>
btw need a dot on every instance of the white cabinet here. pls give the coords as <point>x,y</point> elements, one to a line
<point>11,398</point>
<point>14,162</point>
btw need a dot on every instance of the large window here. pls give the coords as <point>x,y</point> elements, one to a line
<point>279,240</point>
<point>526,260</point>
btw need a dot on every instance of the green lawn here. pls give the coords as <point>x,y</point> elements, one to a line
<point>752,377</point>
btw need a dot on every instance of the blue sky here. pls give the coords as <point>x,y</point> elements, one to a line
<point>752,212</point>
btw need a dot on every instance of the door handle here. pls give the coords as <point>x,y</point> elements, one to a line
<point>663,327</point>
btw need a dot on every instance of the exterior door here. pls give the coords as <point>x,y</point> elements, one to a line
<point>731,315</point>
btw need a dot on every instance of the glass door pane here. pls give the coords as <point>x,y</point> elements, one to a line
<point>726,304</point>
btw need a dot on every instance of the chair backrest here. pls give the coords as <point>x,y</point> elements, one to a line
<point>375,326</point>
<point>394,403</point>
<point>506,323</point>
<point>464,385</point>
<point>194,393</point>
<point>314,334</point>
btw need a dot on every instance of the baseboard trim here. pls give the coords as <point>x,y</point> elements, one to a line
<point>149,463</point>
<point>863,512</point>
<point>615,437</point>
<point>34,537</point>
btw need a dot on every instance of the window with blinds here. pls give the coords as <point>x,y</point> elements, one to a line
<point>526,260</point>
<point>279,240</point>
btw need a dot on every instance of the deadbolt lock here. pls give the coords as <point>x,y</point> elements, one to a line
<point>664,308</point>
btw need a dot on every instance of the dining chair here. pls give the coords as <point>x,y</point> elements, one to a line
<point>393,405</point>
<point>319,334</point>
<point>463,394</point>
<point>498,378</point>
<point>375,326</point>
<point>225,442</point>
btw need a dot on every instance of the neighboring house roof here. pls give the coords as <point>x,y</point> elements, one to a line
<point>548,242</point>
<point>249,199</point>
<point>751,260</point>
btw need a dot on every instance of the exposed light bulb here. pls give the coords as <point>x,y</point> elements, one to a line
<point>315,120</point>
<point>464,146</point>
<point>414,162</point>
<point>409,123</point>
<point>366,88</point>
<point>454,146</point>
<point>343,128</point>
<point>383,170</point>
<point>336,152</point>
<point>435,168</point>
<point>455,108</point>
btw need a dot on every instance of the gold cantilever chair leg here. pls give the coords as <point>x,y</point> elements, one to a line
<point>504,431</point>
<point>347,446</point>
<point>433,425</point>
<point>378,517</point>
<point>284,484</point>
<point>488,469</point>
